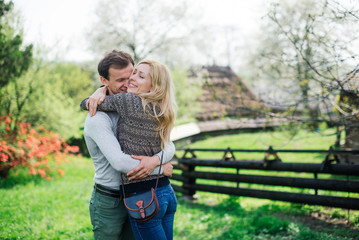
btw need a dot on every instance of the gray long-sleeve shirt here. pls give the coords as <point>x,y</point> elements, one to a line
<point>105,150</point>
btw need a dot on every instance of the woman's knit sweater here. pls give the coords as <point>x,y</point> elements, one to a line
<point>136,130</point>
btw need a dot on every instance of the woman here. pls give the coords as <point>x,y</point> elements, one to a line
<point>146,119</point>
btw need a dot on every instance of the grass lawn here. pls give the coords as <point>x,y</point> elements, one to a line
<point>32,208</point>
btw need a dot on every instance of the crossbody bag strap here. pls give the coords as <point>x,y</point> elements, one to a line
<point>158,176</point>
<point>159,171</point>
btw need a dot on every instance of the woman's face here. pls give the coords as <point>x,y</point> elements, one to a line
<point>140,80</point>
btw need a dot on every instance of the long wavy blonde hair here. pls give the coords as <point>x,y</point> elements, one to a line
<point>162,98</point>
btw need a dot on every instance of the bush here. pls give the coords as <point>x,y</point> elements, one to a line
<point>38,149</point>
<point>269,225</point>
<point>307,234</point>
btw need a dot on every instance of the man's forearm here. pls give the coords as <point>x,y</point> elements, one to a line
<point>99,129</point>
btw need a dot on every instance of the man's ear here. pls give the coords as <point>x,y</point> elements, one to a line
<point>104,81</point>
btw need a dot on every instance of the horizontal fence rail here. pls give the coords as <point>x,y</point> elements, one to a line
<point>331,150</point>
<point>339,169</point>
<point>348,174</point>
<point>334,185</point>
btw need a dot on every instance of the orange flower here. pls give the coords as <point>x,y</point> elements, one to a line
<point>74,149</point>
<point>32,171</point>
<point>33,131</point>
<point>22,152</point>
<point>31,147</point>
<point>7,119</point>
<point>42,172</point>
<point>48,178</point>
<point>62,173</point>
<point>3,157</point>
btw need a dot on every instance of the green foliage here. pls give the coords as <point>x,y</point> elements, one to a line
<point>15,59</point>
<point>75,81</point>
<point>49,94</point>
<point>36,91</point>
<point>268,224</point>
<point>186,95</point>
<point>307,234</point>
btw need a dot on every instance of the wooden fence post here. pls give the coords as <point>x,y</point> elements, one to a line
<point>187,181</point>
<point>228,155</point>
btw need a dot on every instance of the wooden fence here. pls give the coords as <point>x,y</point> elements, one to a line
<point>338,181</point>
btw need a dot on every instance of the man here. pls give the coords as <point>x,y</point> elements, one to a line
<point>108,214</point>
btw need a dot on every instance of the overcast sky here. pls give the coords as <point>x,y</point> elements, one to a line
<point>60,25</point>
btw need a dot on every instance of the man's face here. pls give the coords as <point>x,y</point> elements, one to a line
<point>117,82</point>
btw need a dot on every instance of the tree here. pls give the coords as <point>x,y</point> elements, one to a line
<point>15,59</point>
<point>53,101</point>
<point>158,28</point>
<point>309,49</point>
<point>40,92</point>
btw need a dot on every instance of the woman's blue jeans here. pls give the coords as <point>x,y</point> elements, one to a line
<point>161,226</point>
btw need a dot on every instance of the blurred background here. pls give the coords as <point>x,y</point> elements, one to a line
<point>296,60</point>
<point>260,73</point>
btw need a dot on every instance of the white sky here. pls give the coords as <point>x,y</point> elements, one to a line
<point>60,25</point>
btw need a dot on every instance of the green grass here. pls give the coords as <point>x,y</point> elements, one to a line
<point>215,216</point>
<point>262,140</point>
<point>32,208</point>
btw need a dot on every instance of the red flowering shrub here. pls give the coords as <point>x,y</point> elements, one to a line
<point>40,150</point>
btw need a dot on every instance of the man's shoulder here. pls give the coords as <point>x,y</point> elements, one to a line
<point>99,116</point>
<point>101,119</point>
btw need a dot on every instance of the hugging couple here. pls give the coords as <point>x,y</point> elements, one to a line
<point>127,131</point>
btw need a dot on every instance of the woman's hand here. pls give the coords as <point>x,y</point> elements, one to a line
<point>96,99</point>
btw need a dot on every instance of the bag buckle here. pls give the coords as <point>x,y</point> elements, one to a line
<point>139,204</point>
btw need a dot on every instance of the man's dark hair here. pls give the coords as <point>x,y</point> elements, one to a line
<point>116,59</point>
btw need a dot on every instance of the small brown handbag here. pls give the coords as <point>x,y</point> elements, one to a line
<point>142,206</point>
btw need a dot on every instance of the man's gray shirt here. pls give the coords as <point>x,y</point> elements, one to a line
<point>107,156</point>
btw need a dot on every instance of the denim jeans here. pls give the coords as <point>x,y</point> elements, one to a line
<point>161,226</point>
<point>109,218</point>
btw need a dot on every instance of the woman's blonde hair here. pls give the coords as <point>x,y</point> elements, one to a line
<point>162,98</point>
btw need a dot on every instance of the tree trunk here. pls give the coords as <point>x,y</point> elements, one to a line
<point>351,139</point>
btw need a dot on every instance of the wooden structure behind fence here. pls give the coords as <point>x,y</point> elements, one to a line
<point>343,178</point>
